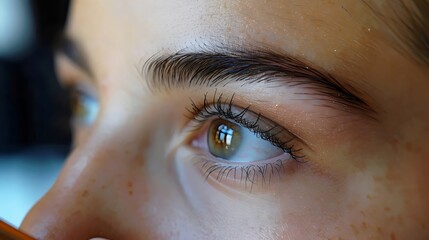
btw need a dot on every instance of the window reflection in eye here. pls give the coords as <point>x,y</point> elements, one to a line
<point>224,138</point>
<point>84,107</point>
<point>229,141</point>
<point>237,144</point>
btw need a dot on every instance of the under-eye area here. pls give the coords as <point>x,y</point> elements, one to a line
<point>246,176</point>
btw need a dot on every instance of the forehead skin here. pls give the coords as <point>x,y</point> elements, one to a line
<point>333,29</point>
<point>342,37</point>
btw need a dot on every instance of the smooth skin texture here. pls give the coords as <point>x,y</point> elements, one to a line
<point>135,172</point>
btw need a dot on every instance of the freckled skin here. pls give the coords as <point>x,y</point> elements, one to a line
<point>131,175</point>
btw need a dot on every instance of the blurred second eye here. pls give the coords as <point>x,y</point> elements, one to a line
<point>84,108</point>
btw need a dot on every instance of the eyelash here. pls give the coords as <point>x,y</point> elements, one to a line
<point>222,107</point>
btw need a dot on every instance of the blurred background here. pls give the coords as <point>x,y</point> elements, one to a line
<point>34,109</point>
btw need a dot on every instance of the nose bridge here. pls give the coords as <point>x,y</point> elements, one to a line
<point>97,178</point>
<point>107,184</point>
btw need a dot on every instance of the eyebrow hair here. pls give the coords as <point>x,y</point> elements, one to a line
<point>419,30</point>
<point>213,68</point>
<point>73,51</point>
<point>408,23</point>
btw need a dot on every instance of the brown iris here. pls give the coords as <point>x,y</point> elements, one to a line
<point>224,138</point>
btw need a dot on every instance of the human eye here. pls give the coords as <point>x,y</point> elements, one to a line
<point>84,107</point>
<point>236,145</point>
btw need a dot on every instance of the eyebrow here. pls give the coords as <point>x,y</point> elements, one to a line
<point>218,68</point>
<point>74,52</point>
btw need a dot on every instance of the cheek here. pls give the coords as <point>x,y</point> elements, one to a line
<point>302,205</point>
<point>384,203</point>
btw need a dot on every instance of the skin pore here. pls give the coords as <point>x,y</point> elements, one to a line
<point>142,169</point>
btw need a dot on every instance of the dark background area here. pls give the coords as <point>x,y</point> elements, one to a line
<point>34,109</point>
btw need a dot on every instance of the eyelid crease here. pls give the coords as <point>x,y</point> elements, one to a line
<point>218,68</point>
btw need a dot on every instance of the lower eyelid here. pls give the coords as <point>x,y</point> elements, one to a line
<point>244,175</point>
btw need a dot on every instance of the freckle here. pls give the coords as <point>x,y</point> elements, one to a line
<point>85,193</point>
<point>361,165</point>
<point>130,184</point>
<point>362,212</point>
<point>364,224</point>
<point>76,212</point>
<point>400,220</point>
<point>130,193</point>
<point>377,179</point>
<point>409,147</point>
<point>389,189</point>
<point>387,209</point>
<point>103,187</point>
<point>392,236</point>
<point>355,231</point>
<point>369,197</point>
<point>379,230</point>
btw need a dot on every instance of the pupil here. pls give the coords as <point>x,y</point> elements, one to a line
<point>224,138</point>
